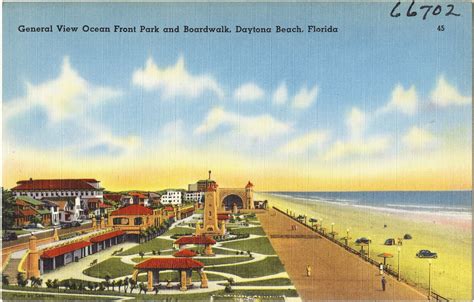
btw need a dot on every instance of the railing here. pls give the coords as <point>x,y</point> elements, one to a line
<point>330,237</point>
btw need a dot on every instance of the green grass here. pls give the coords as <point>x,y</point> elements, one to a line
<point>216,261</point>
<point>179,230</point>
<point>174,277</point>
<point>154,244</point>
<point>268,282</point>
<point>9,296</point>
<point>269,292</point>
<point>113,266</point>
<point>251,230</point>
<point>219,251</point>
<point>268,266</point>
<point>258,245</point>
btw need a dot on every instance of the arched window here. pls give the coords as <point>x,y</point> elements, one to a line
<point>138,221</point>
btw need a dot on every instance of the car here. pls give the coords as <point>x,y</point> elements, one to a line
<point>426,254</point>
<point>66,225</point>
<point>363,240</point>
<point>30,226</point>
<point>389,241</point>
<point>75,223</point>
<point>9,235</point>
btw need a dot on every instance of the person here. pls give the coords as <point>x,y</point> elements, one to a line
<point>381,268</point>
<point>308,270</point>
<point>384,282</point>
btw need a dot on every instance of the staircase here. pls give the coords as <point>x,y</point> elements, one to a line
<point>12,270</point>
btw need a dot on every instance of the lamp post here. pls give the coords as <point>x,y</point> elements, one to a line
<point>321,224</point>
<point>332,229</point>
<point>429,279</point>
<point>347,237</point>
<point>398,250</point>
<point>368,247</point>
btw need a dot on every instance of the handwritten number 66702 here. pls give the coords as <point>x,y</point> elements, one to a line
<point>426,9</point>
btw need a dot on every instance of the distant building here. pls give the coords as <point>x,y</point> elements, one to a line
<point>172,198</point>
<point>26,208</point>
<point>54,209</point>
<point>133,219</point>
<point>69,208</point>
<point>83,188</point>
<point>139,198</point>
<point>192,187</point>
<point>194,196</point>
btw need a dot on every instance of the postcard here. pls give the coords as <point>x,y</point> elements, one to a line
<point>231,151</point>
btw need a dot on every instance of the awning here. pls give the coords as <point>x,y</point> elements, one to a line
<point>61,250</point>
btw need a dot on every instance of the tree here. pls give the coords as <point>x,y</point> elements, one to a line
<point>133,284</point>
<point>55,283</point>
<point>8,210</point>
<point>20,278</point>
<point>107,280</point>
<point>119,284</point>
<point>36,219</point>
<point>90,285</point>
<point>113,283</point>
<point>141,254</point>
<point>125,284</point>
<point>49,283</point>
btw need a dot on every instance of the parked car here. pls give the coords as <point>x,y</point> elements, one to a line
<point>407,237</point>
<point>390,241</point>
<point>66,225</point>
<point>9,235</point>
<point>39,226</point>
<point>363,240</point>
<point>30,226</point>
<point>426,254</point>
<point>75,223</point>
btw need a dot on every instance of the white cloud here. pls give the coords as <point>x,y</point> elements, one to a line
<point>446,94</point>
<point>175,81</point>
<point>403,100</point>
<point>249,92</point>
<point>280,96</point>
<point>360,147</point>
<point>305,97</point>
<point>356,122</point>
<point>258,126</point>
<point>418,138</point>
<point>306,141</point>
<point>62,98</point>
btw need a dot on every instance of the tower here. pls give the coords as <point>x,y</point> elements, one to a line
<point>211,223</point>
<point>249,195</point>
<point>33,259</point>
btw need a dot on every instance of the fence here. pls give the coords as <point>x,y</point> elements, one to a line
<point>434,296</point>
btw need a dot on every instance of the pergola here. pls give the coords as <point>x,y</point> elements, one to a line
<point>197,240</point>
<point>184,266</point>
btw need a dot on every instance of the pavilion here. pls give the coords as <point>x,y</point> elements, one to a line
<point>197,240</point>
<point>184,266</point>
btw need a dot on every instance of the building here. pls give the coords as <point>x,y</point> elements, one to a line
<point>139,198</point>
<point>194,196</point>
<point>172,197</point>
<point>58,256</point>
<point>69,208</point>
<point>54,210</point>
<point>133,219</point>
<point>211,225</point>
<point>27,209</point>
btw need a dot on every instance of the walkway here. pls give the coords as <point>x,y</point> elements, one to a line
<point>336,273</point>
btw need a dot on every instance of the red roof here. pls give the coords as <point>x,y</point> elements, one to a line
<point>113,197</point>
<point>222,216</point>
<point>61,250</point>
<point>134,209</point>
<point>195,240</point>
<point>169,263</point>
<point>169,209</point>
<point>93,200</point>
<point>106,236</point>
<point>139,195</point>
<point>104,205</point>
<point>249,185</point>
<point>55,184</point>
<point>191,209</point>
<point>185,253</point>
<point>28,212</point>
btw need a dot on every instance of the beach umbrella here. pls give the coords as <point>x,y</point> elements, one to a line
<point>385,256</point>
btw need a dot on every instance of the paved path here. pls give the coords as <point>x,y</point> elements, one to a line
<point>336,273</point>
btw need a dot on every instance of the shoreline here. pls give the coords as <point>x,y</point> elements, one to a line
<point>451,272</point>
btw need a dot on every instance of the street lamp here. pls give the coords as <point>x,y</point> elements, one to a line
<point>368,247</point>
<point>429,279</point>
<point>347,237</point>
<point>398,249</point>
<point>332,229</point>
<point>321,224</point>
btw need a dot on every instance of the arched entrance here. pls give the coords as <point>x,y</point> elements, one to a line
<point>229,200</point>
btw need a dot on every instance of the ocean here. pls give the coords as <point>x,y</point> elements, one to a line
<point>449,203</point>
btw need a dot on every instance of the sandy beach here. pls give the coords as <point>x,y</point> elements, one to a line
<point>451,239</point>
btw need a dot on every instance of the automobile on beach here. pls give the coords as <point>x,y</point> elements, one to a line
<point>389,241</point>
<point>426,254</point>
<point>363,240</point>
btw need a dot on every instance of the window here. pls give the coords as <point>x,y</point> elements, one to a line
<point>120,220</point>
<point>138,221</point>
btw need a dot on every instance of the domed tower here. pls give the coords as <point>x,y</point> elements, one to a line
<point>249,195</point>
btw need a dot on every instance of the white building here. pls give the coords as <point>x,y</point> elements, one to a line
<point>194,196</point>
<point>54,209</point>
<point>172,197</point>
<point>83,188</point>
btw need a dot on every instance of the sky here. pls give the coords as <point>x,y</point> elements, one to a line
<point>383,104</point>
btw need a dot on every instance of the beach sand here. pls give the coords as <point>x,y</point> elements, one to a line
<point>451,272</point>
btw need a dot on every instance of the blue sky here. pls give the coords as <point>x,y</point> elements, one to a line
<point>342,106</point>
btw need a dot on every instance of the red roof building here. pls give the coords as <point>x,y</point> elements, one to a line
<point>55,184</point>
<point>170,263</point>
<point>223,216</point>
<point>113,197</point>
<point>61,250</point>
<point>195,240</point>
<point>185,253</point>
<point>169,209</point>
<point>106,236</point>
<point>133,210</point>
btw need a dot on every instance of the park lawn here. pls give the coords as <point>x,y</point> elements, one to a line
<point>227,260</point>
<point>267,282</point>
<point>113,266</point>
<point>147,247</point>
<point>268,292</point>
<point>179,230</point>
<point>250,230</point>
<point>257,245</point>
<point>219,251</point>
<point>265,267</point>
<point>9,296</point>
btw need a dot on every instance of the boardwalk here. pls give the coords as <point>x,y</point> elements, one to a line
<point>336,273</point>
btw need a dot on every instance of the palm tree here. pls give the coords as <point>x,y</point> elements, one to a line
<point>119,284</point>
<point>141,253</point>
<point>5,280</point>
<point>133,284</point>
<point>125,284</point>
<point>20,278</point>
<point>107,280</point>
<point>90,285</point>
